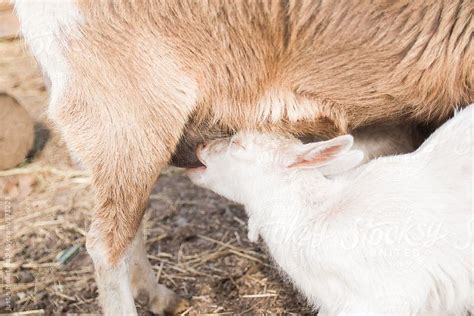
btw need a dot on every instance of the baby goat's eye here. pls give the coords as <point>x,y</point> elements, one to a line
<point>237,143</point>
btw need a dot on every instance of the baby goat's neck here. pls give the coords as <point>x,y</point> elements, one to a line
<point>282,208</point>
<point>293,193</point>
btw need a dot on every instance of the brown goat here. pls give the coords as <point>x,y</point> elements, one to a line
<point>130,78</point>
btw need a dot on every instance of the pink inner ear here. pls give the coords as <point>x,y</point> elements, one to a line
<point>319,158</point>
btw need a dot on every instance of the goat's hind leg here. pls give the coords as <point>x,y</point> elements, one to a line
<point>116,288</point>
<point>124,150</point>
<point>112,280</point>
<point>121,108</point>
<point>145,288</point>
<point>124,169</point>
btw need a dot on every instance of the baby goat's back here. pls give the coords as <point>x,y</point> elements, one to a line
<point>413,217</point>
<point>442,165</point>
<point>446,157</point>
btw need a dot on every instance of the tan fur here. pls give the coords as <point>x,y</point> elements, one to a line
<point>343,56</point>
<point>156,62</point>
<point>145,72</point>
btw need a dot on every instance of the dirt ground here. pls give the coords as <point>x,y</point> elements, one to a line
<point>196,240</point>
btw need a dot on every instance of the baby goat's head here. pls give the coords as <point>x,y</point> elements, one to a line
<point>247,160</point>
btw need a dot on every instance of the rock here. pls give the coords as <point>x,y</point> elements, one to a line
<point>25,277</point>
<point>16,132</point>
<point>6,302</point>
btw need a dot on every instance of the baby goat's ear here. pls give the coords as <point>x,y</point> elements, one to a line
<point>330,157</point>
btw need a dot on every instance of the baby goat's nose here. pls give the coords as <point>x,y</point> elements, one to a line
<point>199,153</point>
<point>199,148</point>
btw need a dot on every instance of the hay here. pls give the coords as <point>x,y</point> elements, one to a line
<point>196,240</point>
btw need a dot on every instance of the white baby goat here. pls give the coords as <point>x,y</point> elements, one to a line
<point>391,237</point>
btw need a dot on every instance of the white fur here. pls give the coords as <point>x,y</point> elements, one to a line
<point>46,26</point>
<point>276,105</point>
<point>391,237</point>
<point>113,282</point>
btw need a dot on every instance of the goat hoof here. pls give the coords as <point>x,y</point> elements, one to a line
<point>149,294</point>
<point>179,305</point>
<point>162,301</point>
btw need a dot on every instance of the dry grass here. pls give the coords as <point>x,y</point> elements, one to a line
<point>196,240</point>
